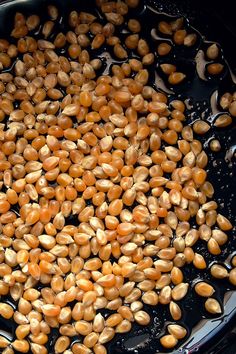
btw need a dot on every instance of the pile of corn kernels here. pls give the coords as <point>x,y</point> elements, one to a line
<point>113,155</point>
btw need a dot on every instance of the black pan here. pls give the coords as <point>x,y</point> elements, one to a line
<point>212,22</point>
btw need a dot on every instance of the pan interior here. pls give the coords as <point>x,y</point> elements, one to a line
<point>201,97</point>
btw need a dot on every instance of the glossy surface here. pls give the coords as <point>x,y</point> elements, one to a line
<point>201,96</point>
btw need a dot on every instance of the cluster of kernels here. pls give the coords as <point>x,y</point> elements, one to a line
<point>206,290</point>
<point>176,31</point>
<point>176,333</point>
<point>212,53</point>
<point>227,102</point>
<point>91,148</point>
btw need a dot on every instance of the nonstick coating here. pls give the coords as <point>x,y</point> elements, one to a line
<point>209,18</point>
